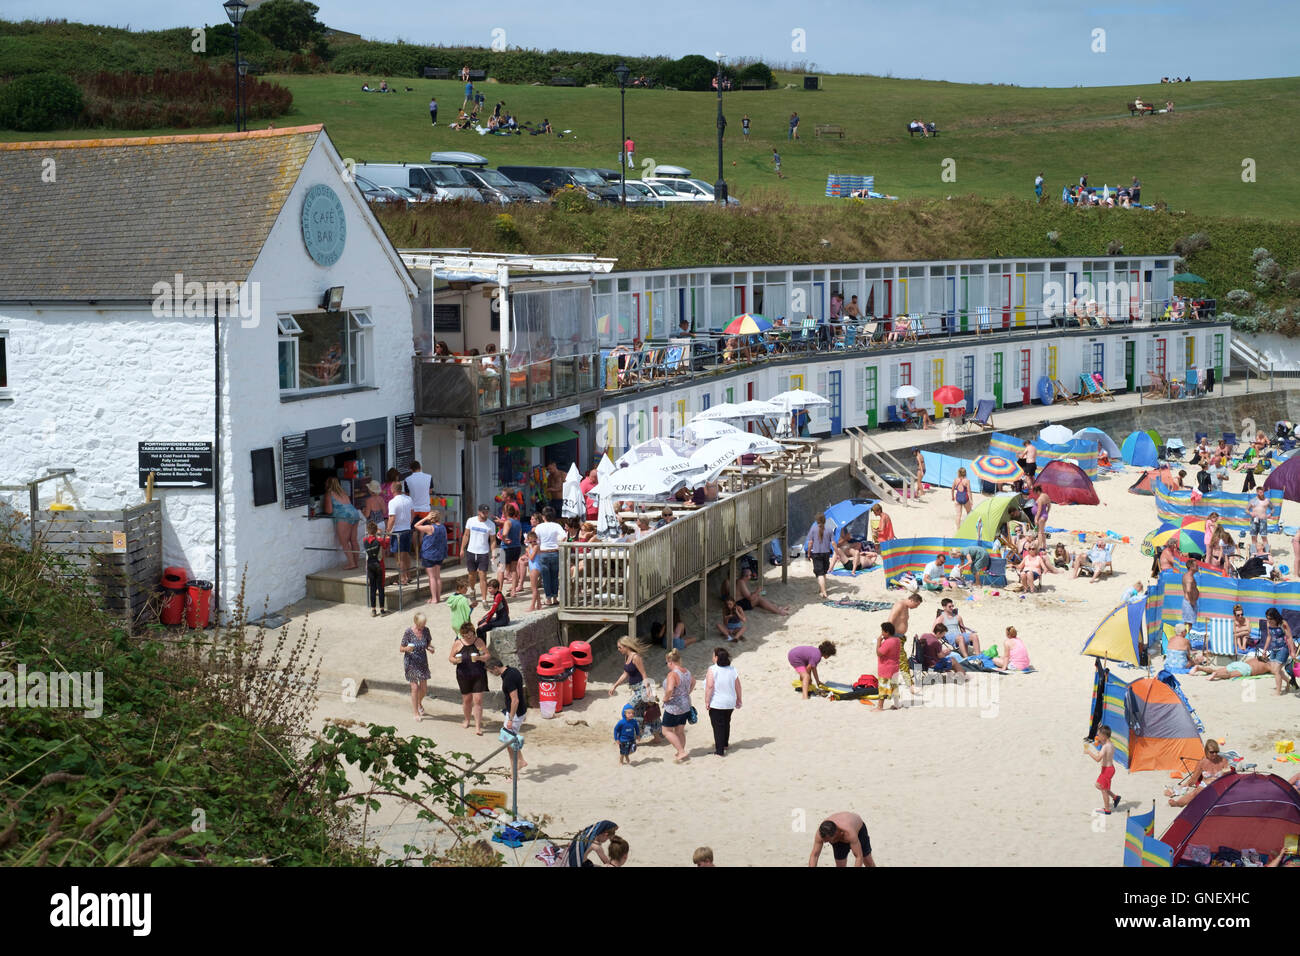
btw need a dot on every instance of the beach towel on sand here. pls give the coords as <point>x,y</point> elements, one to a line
<point>846,573</point>
<point>860,605</point>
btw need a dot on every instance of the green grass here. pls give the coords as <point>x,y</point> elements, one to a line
<point>999,137</point>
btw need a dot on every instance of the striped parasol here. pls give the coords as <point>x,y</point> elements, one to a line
<point>1187,541</point>
<point>995,469</point>
<point>747,325</point>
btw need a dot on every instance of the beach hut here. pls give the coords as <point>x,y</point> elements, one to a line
<point>1138,449</point>
<point>1145,485</point>
<point>1119,635</point>
<point>1150,723</point>
<point>1066,484</point>
<point>1101,438</point>
<point>1242,811</point>
<point>1286,478</point>
<point>989,517</point>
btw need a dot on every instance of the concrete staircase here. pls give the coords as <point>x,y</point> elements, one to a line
<point>341,586</point>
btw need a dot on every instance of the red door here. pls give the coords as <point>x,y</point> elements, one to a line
<point>1024,375</point>
<point>1160,355</point>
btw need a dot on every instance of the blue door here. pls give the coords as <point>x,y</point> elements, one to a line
<point>837,405</point>
<point>968,381</point>
<point>819,294</point>
<point>950,306</point>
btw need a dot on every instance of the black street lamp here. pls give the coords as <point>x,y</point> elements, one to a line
<point>720,187</point>
<point>235,10</point>
<point>621,72</point>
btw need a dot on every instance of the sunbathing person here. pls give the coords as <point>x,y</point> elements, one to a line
<point>1211,768</point>
<point>847,551</point>
<point>1032,568</point>
<point>1254,667</point>
<point>748,599</point>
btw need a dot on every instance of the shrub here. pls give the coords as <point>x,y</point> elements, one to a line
<point>504,228</point>
<point>1260,254</point>
<point>40,101</point>
<point>758,72</point>
<point>389,59</point>
<point>1293,281</point>
<point>572,200</point>
<point>1187,245</point>
<point>1114,247</point>
<point>202,97</point>
<point>691,72</point>
<point>1267,274</point>
<point>1239,299</point>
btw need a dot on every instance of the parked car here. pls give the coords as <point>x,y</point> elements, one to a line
<point>492,185</point>
<point>552,178</point>
<point>681,180</point>
<point>639,194</point>
<point>534,193</point>
<point>440,183</point>
<point>373,192</point>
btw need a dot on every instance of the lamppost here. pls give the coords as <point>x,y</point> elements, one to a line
<point>241,67</point>
<point>235,10</point>
<point>622,72</point>
<point>720,187</point>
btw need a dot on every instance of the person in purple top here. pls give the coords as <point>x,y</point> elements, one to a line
<point>805,658</point>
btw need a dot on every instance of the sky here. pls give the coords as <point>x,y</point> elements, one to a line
<point>1041,43</point>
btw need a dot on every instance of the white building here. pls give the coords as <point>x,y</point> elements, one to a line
<point>114,257</point>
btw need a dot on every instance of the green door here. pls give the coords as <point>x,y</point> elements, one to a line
<point>1218,356</point>
<point>997,378</point>
<point>1130,349</point>
<point>965,300</point>
<point>870,397</point>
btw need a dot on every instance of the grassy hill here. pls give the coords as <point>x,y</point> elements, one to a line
<point>998,137</point>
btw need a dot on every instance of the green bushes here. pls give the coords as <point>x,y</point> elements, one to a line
<point>39,101</point>
<point>691,72</point>
<point>381,59</point>
<point>756,73</point>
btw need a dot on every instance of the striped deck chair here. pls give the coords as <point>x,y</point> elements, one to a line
<point>1102,391</point>
<point>915,323</point>
<point>1063,393</point>
<point>984,322</point>
<point>1220,642</point>
<point>1089,389</point>
<point>807,337</point>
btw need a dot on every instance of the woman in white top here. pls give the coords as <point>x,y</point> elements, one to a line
<point>721,697</point>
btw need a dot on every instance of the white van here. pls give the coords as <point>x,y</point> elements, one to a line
<point>441,183</point>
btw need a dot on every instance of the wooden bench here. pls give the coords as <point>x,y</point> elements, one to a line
<point>753,85</point>
<point>437,73</point>
<point>930,130</point>
<point>563,81</point>
<point>477,76</point>
<point>1145,108</point>
<point>829,129</point>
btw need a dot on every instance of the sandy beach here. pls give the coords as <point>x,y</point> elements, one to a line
<point>990,773</point>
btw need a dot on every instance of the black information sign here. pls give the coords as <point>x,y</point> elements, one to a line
<point>176,464</point>
<point>403,441</point>
<point>293,471</point>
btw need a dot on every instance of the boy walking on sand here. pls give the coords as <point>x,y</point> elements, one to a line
<point>625,732</point>
<point>888,650</point>
<point>1104,754</point>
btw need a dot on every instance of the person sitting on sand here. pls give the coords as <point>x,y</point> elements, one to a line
<point>1211,767</point>
<point>1061,557</point>
<point>1090,562</point>
<point>1014,656</point>
<point>932,574</point>
<point>1180,656</point>
<point>749,599</point>
<point>846,833</point>
<point>959,635</point>
<point>732,625</point>
<point>805,658</point>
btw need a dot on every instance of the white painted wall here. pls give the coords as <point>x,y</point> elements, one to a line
<point>269,541</point>
<point>1282,351</point>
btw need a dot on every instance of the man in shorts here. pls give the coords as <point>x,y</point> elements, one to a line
<point>478,546</point>
<point>399,531</point>
<point>1259,522</point>
<point>516,702</point>
<point>846,833</point>
<point>418,485</point>
<point>975,559</point>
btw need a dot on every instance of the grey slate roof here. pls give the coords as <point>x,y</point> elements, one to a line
<point>123,214</point>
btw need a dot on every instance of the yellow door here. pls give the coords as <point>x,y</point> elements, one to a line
<point>936,383</point>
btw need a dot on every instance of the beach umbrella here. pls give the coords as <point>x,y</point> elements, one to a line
<point>798,398</point>
<point>644,481</point>
<point>655,448</point>
<point>907,391</point>
<point>573,505</point>
<point>747,325</point>
<point>605,466</point>
<point>1100,437</point>
<point>949,395</point>
<point>1056,435</point>
<point>699,432</point>
<point>606,516</point>
<point>1189,277</point>
<point>717,413</point>
<point>1186,540</point>
<point>757,409</point>
<point>995,469</point>
<point>710,459</point>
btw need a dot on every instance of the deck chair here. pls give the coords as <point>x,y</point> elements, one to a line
<point>893,419</point>
<point>1089,389</point>
<point>673,360</point>
<point>807,338</point>
<point>983,417</point>
<point>1063,393</point>
<point>1220,642</point>
<point>1157,385</point>
<point>848,339</point>
<point>915,323</point>
<point>631,370</point>
<point>1230,439</point>
<point>1102,391</point>
<point>1104,566</point>
<point>983,323</point>
<point>869,332</point>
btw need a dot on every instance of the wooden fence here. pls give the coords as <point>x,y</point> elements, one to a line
<point>615,581</point>
<point>120,552</point>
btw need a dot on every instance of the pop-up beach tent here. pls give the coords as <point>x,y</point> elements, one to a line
<point>1138,449</point>
<point>1150,724</point>
<point>986,520</point>
<point>1146,485</point>
<point>1066,484</point>
<point>851,513</point>
<point>1101,438</point>
<point>1119,635</point>
<point>1240,810</point>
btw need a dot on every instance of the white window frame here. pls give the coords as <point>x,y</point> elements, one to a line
<point>360,338</point>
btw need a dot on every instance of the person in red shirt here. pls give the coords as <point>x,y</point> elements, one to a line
<point>888,649</point>
<point>586,485</point>
<point>375,546</point>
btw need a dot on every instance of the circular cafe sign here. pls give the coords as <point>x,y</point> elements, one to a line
<point>324,227</point>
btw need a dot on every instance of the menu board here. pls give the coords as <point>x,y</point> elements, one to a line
<point>295,481</point>
<point>403,441</point>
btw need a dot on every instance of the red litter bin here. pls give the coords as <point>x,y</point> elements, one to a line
<point>564,658</point>
<point>581,652</point>
<point>173,605</point>
<point>548,685</point>
<point>198,603</point>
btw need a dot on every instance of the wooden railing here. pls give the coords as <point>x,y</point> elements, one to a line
<point>622,578</point>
